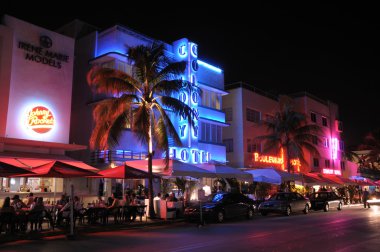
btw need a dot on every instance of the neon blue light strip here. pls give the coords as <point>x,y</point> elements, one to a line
<point>202,63</point>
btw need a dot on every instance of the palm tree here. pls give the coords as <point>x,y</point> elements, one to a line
<point>372,144</point>
<point>289,130</point>
<point>143,100</point>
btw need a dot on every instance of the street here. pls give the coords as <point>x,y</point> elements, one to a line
<point>352,229</point>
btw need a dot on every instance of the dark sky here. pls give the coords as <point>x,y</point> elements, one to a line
<point>329,50</point>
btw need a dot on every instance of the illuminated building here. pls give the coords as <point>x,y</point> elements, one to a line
<point>246,106</point>
<point>108,48</point>
<point>36,71</point>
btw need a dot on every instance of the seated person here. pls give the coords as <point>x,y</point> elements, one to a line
<point>29,199</point>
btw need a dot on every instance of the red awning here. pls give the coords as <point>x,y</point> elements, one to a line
<point>58,169</point>
<point>124,172</point>
<point>7,169</point>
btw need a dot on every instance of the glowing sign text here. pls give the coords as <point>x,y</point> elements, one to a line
<point>40,119</point>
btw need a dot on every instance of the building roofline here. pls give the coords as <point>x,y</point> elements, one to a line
<point>241,84</point>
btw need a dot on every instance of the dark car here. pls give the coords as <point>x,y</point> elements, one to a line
<point>286,203</point>
<point>220,206</point>
<point>326,201</point>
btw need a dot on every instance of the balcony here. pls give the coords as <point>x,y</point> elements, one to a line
<point>109,156</point>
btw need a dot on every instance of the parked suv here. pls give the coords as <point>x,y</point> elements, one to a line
<point>286,203</point>
<point>223,205</point>
<point>326,201</point>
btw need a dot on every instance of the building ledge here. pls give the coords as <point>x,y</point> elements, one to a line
<point>41,144</point>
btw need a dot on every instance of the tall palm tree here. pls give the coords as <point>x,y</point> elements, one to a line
<point>289,130</point>
<point>145,99</point>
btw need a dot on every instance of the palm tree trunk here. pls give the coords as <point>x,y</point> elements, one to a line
<point>150,170</point>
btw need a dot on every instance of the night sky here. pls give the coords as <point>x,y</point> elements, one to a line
<point>329,50</point>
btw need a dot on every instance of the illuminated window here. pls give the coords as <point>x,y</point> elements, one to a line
<point>327,163</point>
<point>229,143</point>
<point>210,133</point>
<point>210,99</point>
<point>313,117</point>
<point>253,115</point>
<point>324,121</point>
<point>228,112</point>
<point>325,142</point>
<point>315,162</point>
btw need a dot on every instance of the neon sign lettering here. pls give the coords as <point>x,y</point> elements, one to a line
<point>276,160</point>
<point>40,119</point>
<point>331,171</point>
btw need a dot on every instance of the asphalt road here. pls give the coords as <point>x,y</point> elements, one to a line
<point>352,229</point>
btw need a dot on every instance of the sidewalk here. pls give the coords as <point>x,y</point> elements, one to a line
<point>83,229</point>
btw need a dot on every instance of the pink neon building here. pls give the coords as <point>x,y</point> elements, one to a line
<point>246,106</point>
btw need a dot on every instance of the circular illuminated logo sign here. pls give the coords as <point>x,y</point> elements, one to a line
<point>40,119</point>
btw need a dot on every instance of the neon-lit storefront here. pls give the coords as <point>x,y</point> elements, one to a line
<point>36,72</point>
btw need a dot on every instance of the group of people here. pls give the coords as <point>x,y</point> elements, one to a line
<point>17,213</point>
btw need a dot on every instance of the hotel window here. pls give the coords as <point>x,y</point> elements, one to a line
<point>341,145</point>
<point>210,99</point>
<point>327,163</point>
<point>228,112</point>
<point>314,140</point>
<point>325,142</point>
<point>210,133</point>
<point>315,162</point>
<point>229,143</point>
<point>253,146</point>
<point>253,115</point>
<point>313,117</point>
<point>324,121</point>
<point>342,165</point>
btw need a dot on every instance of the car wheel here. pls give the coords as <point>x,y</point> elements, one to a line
<point>326,208</point>
<point>306,210</point>
<point>220,217</point>
<point>250,214</point>
<point>340,206</point>
<point>288,211</point>
<point>264,213</point>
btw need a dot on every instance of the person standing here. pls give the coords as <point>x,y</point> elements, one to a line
<point>365,198</point>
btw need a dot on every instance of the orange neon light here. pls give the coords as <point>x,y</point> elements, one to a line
<point>276,160</point>
<point>40,119</point>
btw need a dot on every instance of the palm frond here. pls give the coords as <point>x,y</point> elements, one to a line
<point>111,81</point>
<point>169,72</point>
<point>178,108</point>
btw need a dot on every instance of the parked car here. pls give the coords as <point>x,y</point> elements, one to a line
<point>286,203</point>
<point>221,206</point>
<point>326,201</point>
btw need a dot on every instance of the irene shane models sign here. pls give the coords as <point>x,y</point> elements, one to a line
<point>42,54</point>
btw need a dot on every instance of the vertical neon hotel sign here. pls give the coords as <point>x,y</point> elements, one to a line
<point>189,135</point>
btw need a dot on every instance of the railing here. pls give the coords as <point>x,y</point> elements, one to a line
<point>108,156</point>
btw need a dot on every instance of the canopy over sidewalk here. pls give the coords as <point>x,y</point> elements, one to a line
<point>10,167</point>
<point>273,176</point>
<point>123,172</point>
